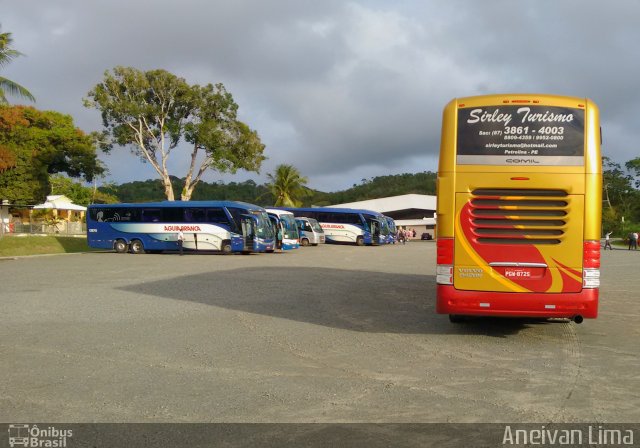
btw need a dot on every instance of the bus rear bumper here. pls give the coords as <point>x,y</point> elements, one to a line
<point>482,303</point>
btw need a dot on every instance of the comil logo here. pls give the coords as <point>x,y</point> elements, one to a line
<point>523,161</point>
<point>32,436</point>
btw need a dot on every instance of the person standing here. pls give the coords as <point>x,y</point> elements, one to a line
<point>607,241</point>
<point>180,241</point>
<point>634,237</point>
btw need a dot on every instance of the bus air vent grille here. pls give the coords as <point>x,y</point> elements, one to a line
<point>510,216</point>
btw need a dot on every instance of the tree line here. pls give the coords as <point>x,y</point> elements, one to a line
<point>620,196</point>
<point>266,195</point>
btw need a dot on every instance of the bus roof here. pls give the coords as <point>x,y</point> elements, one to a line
<point>278,211</point>
<point>175,204</point>
<point>522,98</point>
<point>334,210</point>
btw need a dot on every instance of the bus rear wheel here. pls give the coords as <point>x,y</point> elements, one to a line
<point>137,247</point>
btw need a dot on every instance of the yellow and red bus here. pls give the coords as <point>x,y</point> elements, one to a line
<point>519,207</point>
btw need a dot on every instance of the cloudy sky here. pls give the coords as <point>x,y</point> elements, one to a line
<point>342,90</point>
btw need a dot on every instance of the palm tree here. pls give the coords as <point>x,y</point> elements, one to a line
<point>7,54</point>
<point>287,186</point>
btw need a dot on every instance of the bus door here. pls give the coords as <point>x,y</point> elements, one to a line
<point>277,228</point>
<point>375,231</point>
<point>248,225</point>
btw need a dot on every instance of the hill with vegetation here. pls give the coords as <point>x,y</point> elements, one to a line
<point>250,191</point>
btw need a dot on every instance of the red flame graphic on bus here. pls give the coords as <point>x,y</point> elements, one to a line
<point>516,253</point>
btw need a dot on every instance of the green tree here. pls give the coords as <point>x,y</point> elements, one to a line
<point>42,143</point>
<point>7,54</point>
<point>156,112</point>
<point>634,167</point>
<point>620,199</point>
<point>78,193</point>
<point>287,186</point>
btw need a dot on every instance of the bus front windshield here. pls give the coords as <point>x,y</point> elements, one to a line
<point>315,226</point>
<point>392,226</point>
<point>384,225</point>
<point>289,225</point>
<point>264,229</point>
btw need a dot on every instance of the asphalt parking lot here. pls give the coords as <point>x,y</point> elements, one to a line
<point>322,334</point>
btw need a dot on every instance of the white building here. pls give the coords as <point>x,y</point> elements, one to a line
<point>413,211</point>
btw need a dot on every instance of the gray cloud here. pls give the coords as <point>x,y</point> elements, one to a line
<point>342,90</point>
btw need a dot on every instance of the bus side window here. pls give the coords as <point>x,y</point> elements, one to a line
<point>151,214</point>
<point>127,215</point>
<point>194,215</point>
<point>173,214</point>
<point>217,216</point>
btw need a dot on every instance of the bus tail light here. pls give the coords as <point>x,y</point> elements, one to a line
<point>444,248</point>
<point>444,257</point>
<point>591,265</point>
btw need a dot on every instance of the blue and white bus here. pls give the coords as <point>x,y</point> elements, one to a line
<point>224,226</point>
<point>284,221</point>
<point>347,225</point>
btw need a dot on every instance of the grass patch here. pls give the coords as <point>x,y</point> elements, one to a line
<point>13,246</point>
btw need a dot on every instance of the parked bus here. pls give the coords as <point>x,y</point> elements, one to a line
<point>285,222</point>
<point>519,205</point>
<point>224,226</point>
<point>310,232</point>
<point>346,225</point>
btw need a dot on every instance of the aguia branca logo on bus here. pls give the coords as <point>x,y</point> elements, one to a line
<point>183,228</point>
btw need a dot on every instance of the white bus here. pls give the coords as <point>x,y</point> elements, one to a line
<point>310,232</point>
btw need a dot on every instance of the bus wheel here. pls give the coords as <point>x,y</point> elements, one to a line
<point>304,242</point>
<point>120,246</point>
<point>456,318</point>
<point>137,247</point>
<point>226,247</point>
<point>360,241</point>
